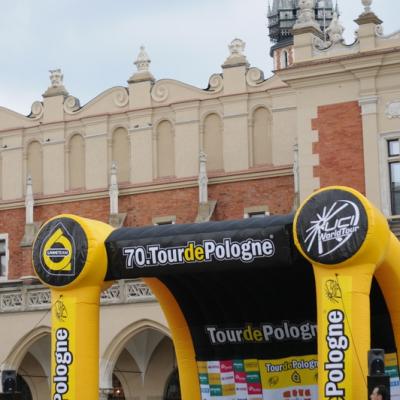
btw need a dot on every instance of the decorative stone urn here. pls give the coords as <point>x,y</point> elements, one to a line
<point>367,5</point>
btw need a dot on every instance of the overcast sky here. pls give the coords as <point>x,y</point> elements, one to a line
<point>95,42</point>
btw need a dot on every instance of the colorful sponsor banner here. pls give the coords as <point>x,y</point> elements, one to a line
<point>290,378</point>
<point>392,369</point>
<point>252,379</point>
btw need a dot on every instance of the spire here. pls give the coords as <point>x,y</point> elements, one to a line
<point>275,6</point>
<point>337,11</point>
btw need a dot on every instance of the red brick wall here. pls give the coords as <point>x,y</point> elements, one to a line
<point>232,198</point>
<point>340,145</point>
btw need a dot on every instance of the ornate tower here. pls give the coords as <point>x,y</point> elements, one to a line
<point>281,18</point>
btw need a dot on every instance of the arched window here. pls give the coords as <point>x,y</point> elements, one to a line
<point>284,59</point>
<point>121,154</point>
<point>172,388</point>
<point>76,164</point>
<point>165,150</point>
<point>34,166</point>
<point>213,143</point>
<point>262,137</point>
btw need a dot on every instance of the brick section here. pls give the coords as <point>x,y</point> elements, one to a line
<point>231,198</point>
<point>340,145</point>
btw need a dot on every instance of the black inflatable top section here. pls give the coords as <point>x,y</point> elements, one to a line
<point>154,251</point>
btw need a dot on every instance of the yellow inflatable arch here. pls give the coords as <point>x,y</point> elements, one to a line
<point>236,295</point>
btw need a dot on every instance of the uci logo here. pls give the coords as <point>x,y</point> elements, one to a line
<point>57,252</point>
<point>331,229</point>
<point>331,226</point>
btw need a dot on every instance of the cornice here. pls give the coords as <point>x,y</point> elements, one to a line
<point>96,135</point>
<point>191,182</point>
<point>190,105</point>
<point>234,98</point>
<point>339,64</point>
<point>282,109</point>
<point>187,122</point>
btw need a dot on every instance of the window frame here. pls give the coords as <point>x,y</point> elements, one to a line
<point>255,211</point>
<point>385,178</point>
<point>4,236</point>
<point>164,220</point>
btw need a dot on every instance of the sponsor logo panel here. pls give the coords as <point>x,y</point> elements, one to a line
<point>332,226</point>
<point>60,251</point>
<point>287,378</point>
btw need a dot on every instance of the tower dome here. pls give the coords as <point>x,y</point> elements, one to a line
<point>282,16</point>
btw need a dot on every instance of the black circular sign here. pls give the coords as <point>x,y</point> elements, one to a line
<point>60,251</point>
<point>332,226</point>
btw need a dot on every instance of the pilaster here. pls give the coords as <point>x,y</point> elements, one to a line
<point>369,116</point>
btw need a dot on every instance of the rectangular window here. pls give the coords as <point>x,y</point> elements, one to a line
<point>3,256</point>
<point>395,186</point>
<point>165,220</point>
<point>259,214</point>
<point>256,211</point>
<point>393,149</point>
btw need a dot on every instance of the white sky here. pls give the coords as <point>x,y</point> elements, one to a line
<point>95,42</point>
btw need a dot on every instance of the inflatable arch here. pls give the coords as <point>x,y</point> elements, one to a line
<point>264,308</point>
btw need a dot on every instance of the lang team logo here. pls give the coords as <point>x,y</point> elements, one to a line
<point>57,251</point>
<point>333,228</point>
<point>60,251</point>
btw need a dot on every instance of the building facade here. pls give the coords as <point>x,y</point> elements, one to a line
<point>162,151</point>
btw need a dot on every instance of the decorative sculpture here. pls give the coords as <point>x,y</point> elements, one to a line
<point>56,78</point>
<point>335,30</point>
<point>143,60</point>
<point>367,5</point>
<point>237,47</point>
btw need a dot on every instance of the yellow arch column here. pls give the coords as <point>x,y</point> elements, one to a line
<point>184,349</point>
<point>388,277</point>
<point>69,256</point>
<point>345,238</point>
